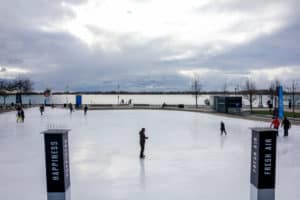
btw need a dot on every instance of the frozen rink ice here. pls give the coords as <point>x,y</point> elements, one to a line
<point>186,158</point>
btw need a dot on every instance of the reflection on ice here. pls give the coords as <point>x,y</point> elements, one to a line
<point>142,173</point>
<point>222,141</point>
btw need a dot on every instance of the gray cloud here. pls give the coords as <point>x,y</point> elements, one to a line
<point>58,58</point>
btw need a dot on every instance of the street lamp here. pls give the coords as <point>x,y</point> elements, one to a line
<point>293,90</point>
<point>66,93</point>
<point>118,93</point>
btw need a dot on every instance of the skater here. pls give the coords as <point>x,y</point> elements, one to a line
<point>286,124</point>
<point>142,142</point>
<point>22,115</point>
<point>19,115</point>
<point>275,123</point>
<point>85,109</point>
<point>270,105</point>
<point>71,108</point>
<point>222,128</point>
<point>42,109</point>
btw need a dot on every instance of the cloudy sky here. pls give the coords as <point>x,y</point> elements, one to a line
<point>145,45</point>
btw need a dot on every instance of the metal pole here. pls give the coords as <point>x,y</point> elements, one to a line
<point>293,88</point>
<point>118,94</point>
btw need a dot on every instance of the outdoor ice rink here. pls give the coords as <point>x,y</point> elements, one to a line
<point>186,158</point>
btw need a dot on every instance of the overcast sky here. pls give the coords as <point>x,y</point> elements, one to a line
<point>145,45</point>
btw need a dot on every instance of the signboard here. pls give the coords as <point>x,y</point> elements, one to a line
<point>263,158</point>
<point>57,160</point>
<point>280,102</point>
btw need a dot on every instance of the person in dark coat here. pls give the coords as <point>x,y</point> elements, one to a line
<point>270,105</point>
<point>290,104</point>
<point>286,126</point>
<point>19,115</point>
<point>22,115</point>
<point>222,128</point>
<point>142,142</point>
<point>85,109</point>
<point>42,108</point>
<point>71,108</point>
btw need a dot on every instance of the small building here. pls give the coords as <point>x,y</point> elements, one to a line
<point>227,104</point>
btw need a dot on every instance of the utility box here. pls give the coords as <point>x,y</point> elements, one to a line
<point>227,104</point>
<point>57,164</point>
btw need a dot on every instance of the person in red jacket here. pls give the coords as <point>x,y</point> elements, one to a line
<point>275,123</point>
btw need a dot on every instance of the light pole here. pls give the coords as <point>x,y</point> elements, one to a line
<point>118,94</point>
<point>237,87</point>
<point>293,91</point>
<point>67,91</point>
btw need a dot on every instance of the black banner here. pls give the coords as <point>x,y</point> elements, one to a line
<point>263,158</point>
<point>57,162</point>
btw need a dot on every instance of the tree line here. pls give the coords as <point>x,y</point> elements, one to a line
<point>248,90</point>
<point>18,85</point>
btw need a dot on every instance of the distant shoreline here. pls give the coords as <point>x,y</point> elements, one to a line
<point>259,92</point>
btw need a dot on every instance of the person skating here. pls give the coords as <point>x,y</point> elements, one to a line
<point>275,124</point>
<point>71,108</point>
<point>42,108</point>
<point>19,115</point>
<point>85,109</point>
<point>142,142</point>
<point>22,115</point>
<point>222,128</point>
<point>286,124</point>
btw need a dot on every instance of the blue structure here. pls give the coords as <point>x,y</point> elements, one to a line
<point>78,101</point>
<point>280,102</point>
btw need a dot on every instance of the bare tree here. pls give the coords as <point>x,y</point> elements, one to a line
<point>196,88</point>
<point>293,97</point>
<point>4,90</point>
<point>22,85</point>
<point>273,93</point>
<point>9,86</point>
<point>47,92</point>
<point>250,91</point>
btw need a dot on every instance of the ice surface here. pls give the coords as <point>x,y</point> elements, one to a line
<point>186,158</point>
